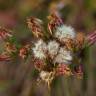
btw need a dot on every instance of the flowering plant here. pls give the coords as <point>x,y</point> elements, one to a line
<point>54,52</point>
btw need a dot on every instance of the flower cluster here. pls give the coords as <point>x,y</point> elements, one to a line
<point>54,52</point>
<point>11,47</point>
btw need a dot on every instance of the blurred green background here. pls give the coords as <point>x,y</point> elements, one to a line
<point>16,76</point>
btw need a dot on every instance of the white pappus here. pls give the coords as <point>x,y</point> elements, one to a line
<point>40,49</point>
<point>64,33</point>
<point>64,56</point>
<point>53,47</point>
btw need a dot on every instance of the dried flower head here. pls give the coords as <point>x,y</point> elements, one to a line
<point>91,38</point>
<point>24,51</point>
<point>4,33</point>
<point>63,69</point>
<point>10,48</point>
<point>39,64</point>
<point>78,72</point>
<point>69,44</point>
<point>55,21</point>
<point>80,37</point>
<point>36,26</point>
<point>47,77</point>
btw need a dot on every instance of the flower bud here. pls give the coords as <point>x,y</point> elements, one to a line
<point>4,33</point>
<point>91,38</point>
<point>36,26</point>
<point>55,21</point>
<point>4,57</point>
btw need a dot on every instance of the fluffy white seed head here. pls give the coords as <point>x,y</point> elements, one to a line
<point>64,56</point>
<point>47,76</point>
<point>64,33</point>
<point>43,75</point>
<point>53,47</point>
<point>40,49</point>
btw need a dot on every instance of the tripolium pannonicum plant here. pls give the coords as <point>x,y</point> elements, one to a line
<point>56,52</point>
